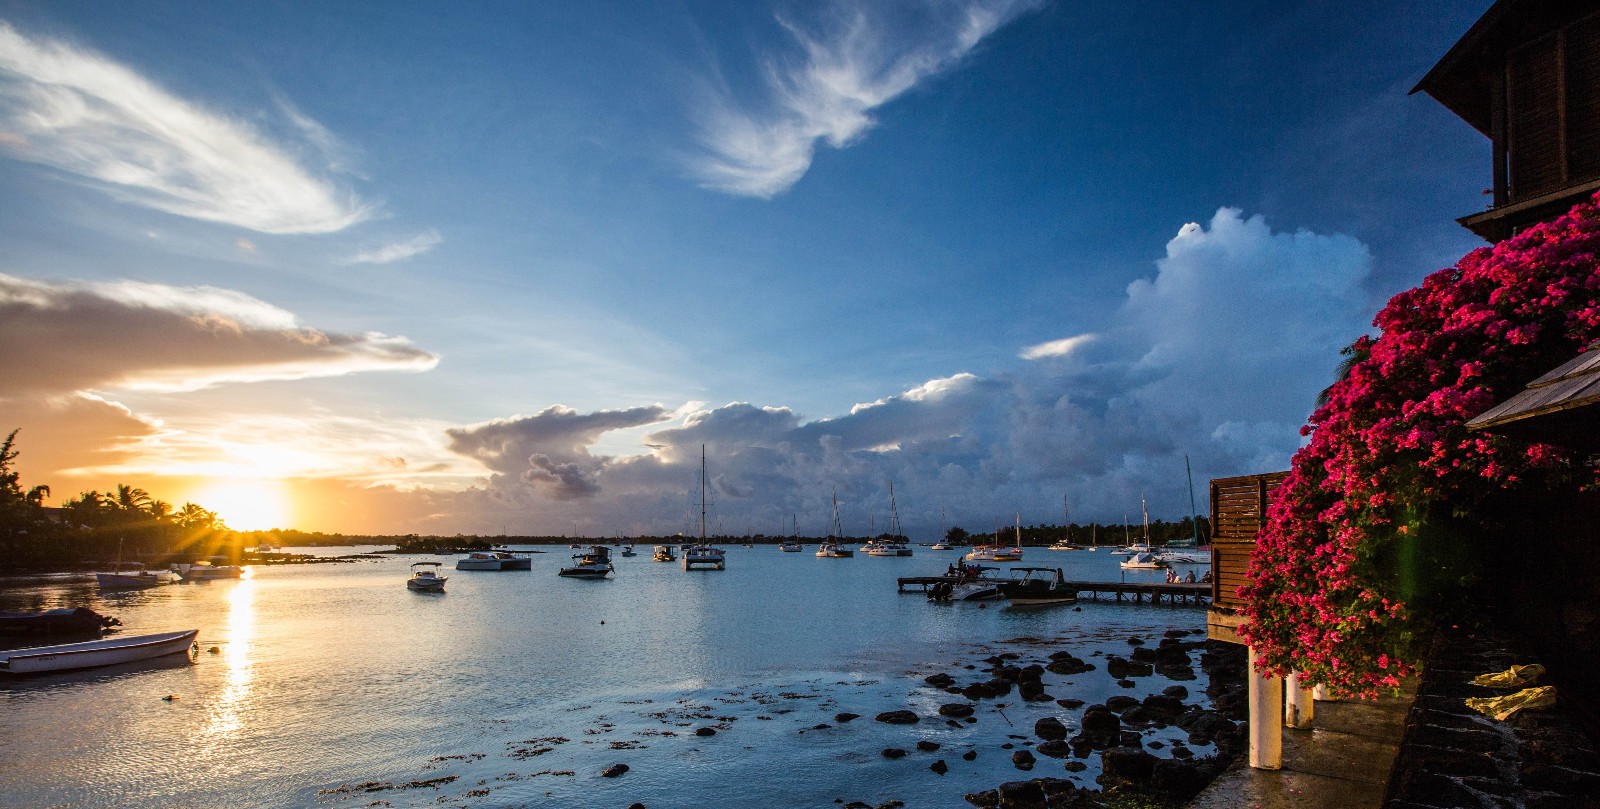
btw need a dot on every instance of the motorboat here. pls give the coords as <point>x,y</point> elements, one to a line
<point>994,553</point>
<point>1062,545</point>
<point>791,546</point>
<point>89,654</point>
<point>135,579</point>
<point>887,548</point>
<point>1143,561</point>
<point>627,550</point>
<point>972,586</point>
<point>202,571</point>
<point>63,621</point>
<point>939,546</point>
<point>425,577</point>
<point>265,547</point>
<point>663,553</point>
<point>1038,586</point>
<point>494,560</point>
<point>594,563</point>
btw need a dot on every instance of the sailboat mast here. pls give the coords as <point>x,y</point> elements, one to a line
<point>1194,514</point>
<point>1066,518</point>
<point>1146,510</point>
<point>1019,529</point>
<point>702,494</point>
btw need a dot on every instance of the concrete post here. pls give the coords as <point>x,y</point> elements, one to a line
<point>1266,724</point>
<point>1320,693</point>
<point>1297,705</point>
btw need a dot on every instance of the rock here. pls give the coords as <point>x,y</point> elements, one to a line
<point>1033,691</point>
<point>1120,703</point>
<point>1176,633</point>
<point>637,805</point>
<point>1176,691</point>
<point>1032,671</point>
<point>1070,704</point>
<point>959,710</point>
<point>844,717</point>
<point>898,717</point>
<point>893,753</point>
<point>1037,793</point>
<point>1055,749</point>
<point>1137,715</point>
<point>927,746</point>
<point>1135,641</point>
<point>1163,706</point>
<point>1179,779</point>
<point>821,726</point>
<point>1010,674</point>
<point>705,731</point>
<point>970,755</point>
<point>1076,766</point>
<point>1098,720</point>
<point>939,767</point>
<point>1127,764</point>
<point>1143,654</point>
<point>1126,683</point>
<point>939,680</point>
<point>1122,668</point>
<point>1179,751</point>
<point>1050,729</point>
<point>613,771</point>
<point>1130,738</point>
<point>1023,759</point>
<point>1172,656</point>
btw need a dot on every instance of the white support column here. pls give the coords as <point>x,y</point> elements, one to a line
<point>1297,705</point>
<point>1266,724</point>
<point>1320,693</point>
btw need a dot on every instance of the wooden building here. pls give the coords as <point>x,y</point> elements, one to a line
<point>1238,511</point>
<point>1527,75</point>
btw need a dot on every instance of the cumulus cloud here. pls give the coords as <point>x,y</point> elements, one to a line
<point>1219,355</point>
<point>81,113</point>
<point>75,336</point>
<point>398,250</point>
<point>549,451</point>
<point>845,69</point>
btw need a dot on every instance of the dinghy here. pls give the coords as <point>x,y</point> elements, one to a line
<point>90,654</point>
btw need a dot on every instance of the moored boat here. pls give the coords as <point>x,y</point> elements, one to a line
<point>1143,561</point>
<point>90,654</point>
<point>702,554</point>
<point>203,571</point>
<point>1038,586</point>
<point>594,563</point>
<point>663,553</point>
<point>830,547</point>
<point>425,577</point>
<point>135,579</point>
<point>63,621</point>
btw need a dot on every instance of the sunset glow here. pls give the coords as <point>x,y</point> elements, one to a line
<point>247,505</point>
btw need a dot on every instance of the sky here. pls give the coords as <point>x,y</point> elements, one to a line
<point>504,268</point>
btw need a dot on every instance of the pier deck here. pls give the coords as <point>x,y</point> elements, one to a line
<point>1138,592</point>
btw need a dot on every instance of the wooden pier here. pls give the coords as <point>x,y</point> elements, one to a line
<point>1138,592</point>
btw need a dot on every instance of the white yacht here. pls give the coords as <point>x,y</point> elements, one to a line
<point>701,554</point>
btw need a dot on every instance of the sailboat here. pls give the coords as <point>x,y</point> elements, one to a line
<point>894,545</point>
<point>943,544</point>
<point>702,554</point>
<point>1065,543</point>
<point>830,548</point>
<point>793,545</point>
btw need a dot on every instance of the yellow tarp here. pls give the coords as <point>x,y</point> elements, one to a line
<point>1514,677</point>
<point>1503,708</point>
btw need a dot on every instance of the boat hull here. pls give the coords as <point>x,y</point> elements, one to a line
<point>583,573</point>
<point>126,581</point>
<point>80,621</point>
<point>425,586</point>
<point>93,654</point>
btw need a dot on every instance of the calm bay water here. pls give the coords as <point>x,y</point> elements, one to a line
<point>326,680</point>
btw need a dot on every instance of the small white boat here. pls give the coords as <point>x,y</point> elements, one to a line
<point>425,578</point>
<point>1062,545</point>
<point>94,653</point>
<point>1143,561</point>
<point>494,560</point>
<point>202,571</point>
<point>791,547</point>
<point>940,546</point>
<point>994,553</point>
<point>594,563</point>
<point>135,579</point>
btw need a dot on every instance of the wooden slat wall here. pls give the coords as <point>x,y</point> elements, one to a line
<point>1535,116</point>
<point>1238,507</point>
<point>1582,50</point>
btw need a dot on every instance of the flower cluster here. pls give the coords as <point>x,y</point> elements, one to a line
<point>1389,451</point>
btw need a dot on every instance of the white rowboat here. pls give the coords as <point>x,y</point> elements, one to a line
<point>95,653</point>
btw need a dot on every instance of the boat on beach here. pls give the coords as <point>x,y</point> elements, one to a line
<point>90,654</point>
<point>425,577</point>
<point>1038,586</point>
<point>63,621</point>
<point>594,563</point>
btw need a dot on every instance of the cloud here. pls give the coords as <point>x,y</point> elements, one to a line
<point>850,66</point>
<point>79,112</point>
<point>1057,348</point>
<point>1218,355</point>
<point>549,450</point>
<point>75,336</point>
<point>396,251</point>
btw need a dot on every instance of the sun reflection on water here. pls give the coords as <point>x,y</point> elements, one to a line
<point>231,706</point>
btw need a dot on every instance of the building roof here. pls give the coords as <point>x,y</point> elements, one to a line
<point>1463,79</point>
<point>1557,408</point>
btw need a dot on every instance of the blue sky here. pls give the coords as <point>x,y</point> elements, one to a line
<point>647,213</point>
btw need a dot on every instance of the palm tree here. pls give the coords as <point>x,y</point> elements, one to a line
<point>130,499</point>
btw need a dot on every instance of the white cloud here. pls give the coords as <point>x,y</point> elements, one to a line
<point>1057,348</point>
<point>861,61</point>
<point>396,251</point>
<point>79,112</point>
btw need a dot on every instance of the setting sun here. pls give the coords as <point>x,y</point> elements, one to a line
<point>246,505</point>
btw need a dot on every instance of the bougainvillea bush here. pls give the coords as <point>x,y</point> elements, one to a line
<point>1368,541</point>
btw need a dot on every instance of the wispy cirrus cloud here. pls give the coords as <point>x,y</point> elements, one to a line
<point>1057,348</point>
<point>79,112</point>
<point>62,337</point>
<point>398,250</point>
<point>853,65</point>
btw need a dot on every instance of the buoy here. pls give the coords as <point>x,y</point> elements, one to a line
<point>169,697</point>
<point>215,650</point>
<point>983,606</point>
<point>602,623</point>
